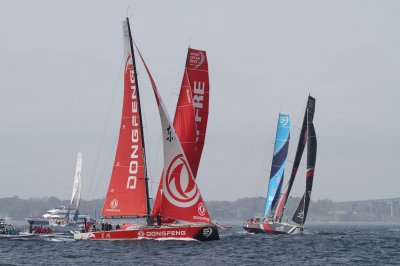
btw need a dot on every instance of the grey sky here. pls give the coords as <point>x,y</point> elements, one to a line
<point>60,64</point>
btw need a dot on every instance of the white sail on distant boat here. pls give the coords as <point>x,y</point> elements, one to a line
<point>63,215</point>
<point>76,189</point>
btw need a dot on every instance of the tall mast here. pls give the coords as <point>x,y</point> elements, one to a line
<point>141,124</point>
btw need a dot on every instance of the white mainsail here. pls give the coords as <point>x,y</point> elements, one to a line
<point>76,190</point>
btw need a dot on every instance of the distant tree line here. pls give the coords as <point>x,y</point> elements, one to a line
<point>18,208</point>
<point>240,210</point>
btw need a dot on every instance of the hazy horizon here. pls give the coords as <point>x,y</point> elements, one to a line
<point>220,200</point>
<point>61,91</point>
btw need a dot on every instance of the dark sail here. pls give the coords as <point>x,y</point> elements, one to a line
<point>309,114</point>
<point>301,212</point>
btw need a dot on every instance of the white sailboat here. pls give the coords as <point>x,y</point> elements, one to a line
<point>65,215</point>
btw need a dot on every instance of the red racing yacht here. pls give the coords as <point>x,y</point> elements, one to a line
<point>179,199</point>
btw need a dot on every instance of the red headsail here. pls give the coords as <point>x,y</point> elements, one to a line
<point>126,195</point>
<point>191,114</point>
<point>181,198</point>
<point>197,72</point>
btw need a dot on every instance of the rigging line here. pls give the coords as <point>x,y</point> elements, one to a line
<point>261,177</point>
<point>158,149</point>
<point>105,125</point>
<point>295,137</point>
<point>127,11</point>
<point>175,87</point>
<point>172,93</point>
<point>155,166</point>
<point>148,143</point>
<point>146,136</point>
<point>107,163</point>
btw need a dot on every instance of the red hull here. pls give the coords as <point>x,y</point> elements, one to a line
<point>183,232</point>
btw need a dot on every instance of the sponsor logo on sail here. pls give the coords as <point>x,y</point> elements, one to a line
<point>114,204</point>
<point>283,120</point>
<point>198,102</point>
<point>201,209</point>
<point>196,58</point>
<point>181,189</point>
<point>135,127</point>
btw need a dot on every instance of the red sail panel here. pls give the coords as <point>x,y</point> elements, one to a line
<point>197,70</point>
<point>191,113</point>
<point>126,194</point>
<point>181,198</point>
<point>184,121</point>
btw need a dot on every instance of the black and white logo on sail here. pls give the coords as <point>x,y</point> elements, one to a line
<point>169,132</point>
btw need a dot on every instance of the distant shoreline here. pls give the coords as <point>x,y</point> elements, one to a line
<point>321,211</point>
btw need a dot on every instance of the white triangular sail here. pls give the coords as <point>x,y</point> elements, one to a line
<point>76,190</point>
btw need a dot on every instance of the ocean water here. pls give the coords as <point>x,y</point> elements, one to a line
<point>321,244</point>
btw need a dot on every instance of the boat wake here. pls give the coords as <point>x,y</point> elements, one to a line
<point>175,239</point>
<point>60,239</point>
